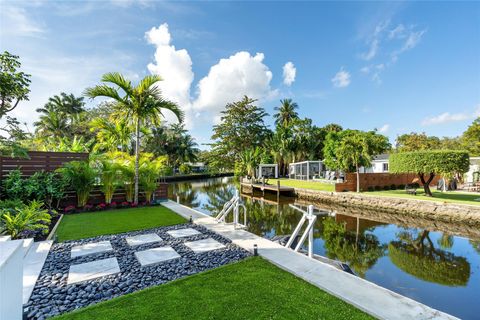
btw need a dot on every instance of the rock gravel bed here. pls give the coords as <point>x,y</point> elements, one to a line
<point>52,296</point>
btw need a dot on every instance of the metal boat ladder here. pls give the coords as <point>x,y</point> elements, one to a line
<point>233,205</point>
<point>311,218</point>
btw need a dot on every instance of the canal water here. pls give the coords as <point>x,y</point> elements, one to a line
<point>436,264</point>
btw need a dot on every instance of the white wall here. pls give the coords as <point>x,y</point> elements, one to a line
<point>11,280</point>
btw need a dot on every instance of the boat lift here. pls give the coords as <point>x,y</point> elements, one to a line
<point>233,205</point>
<point>311,218</point>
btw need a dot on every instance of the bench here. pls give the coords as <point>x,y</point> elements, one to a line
<point>411,189</point>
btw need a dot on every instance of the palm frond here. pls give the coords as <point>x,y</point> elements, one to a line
<point>103,91</point>
<point>119,80</point>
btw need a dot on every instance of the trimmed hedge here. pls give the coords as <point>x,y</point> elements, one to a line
<point>429,161</point>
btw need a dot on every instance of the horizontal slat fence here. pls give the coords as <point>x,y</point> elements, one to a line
<point>38,161</point>
<point>50,161</point>
<point>378,179</point>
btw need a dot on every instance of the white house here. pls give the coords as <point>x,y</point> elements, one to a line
<point>473,174</point>
<point>379,164</point>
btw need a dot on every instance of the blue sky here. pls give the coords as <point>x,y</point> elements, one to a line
<point>395,66</point>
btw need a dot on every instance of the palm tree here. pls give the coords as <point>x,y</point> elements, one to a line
<point>139,105</point>
<point>286,113</point>
<point>51,124</point>
<point>111,135</point>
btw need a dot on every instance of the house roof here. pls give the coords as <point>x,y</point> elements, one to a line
<point>383,156</point>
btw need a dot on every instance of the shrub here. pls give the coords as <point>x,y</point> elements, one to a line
<point>69,209</point>
<point>386,188</point>
<point>378,188</point>
<point>10,204</point>
<point>370,188</point>
<point>81,177</point>
<point>14,186</point>
<point>88,207</point>
<point>401,186</point>
<point>185,169</point>
<point>393,187</point>
<point>109,178</point>
<point>29,217</point>
<point>101,206</point>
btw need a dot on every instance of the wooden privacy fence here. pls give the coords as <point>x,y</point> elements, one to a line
<point>38,161</point>
<point>378,180</point>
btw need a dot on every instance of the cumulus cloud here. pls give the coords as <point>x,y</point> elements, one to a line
<point>384,128</point>
<point>174,66</point>
<point>228,80</point>
<point>448,117</point>
<point>232,78</point>
<point>289,73</point>
<point>341,79</point>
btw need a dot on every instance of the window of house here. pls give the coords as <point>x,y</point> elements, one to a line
<point>385,167</point>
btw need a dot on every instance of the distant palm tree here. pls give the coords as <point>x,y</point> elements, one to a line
<point>286,113</point>
<point>111,135</point>
<point>51,124</point>
<point>139,105</point>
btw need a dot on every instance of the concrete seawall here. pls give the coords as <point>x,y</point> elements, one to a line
<point>468,215</point>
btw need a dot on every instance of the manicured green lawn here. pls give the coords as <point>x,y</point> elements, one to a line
<point>449,196</point>
<point>250,289</point>
<point>304,184</point>
<point>91,224</point>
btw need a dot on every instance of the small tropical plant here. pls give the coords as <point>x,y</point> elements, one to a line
<point>81,177</point>
<point>109,177</point>
<point>14,186</point>
<point>150,171</point>
<point>29,217</point>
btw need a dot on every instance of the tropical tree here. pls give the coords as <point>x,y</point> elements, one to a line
<point>14,84</point>
<point>241,128</point>
<point>109,173</point>
<point>286,113</point>
<point>471,138</point>
<point>353,151</point>
<point>51,124</point>
<point>111,135</point>
<point>139,105</point>
<point>428,163</point>
<point>150,171</point>
<point>249,160</point>
<point>417,141</point>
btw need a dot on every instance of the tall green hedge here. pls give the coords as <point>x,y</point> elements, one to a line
<point>442,162</point>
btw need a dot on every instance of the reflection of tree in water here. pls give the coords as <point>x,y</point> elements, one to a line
<point>218,195</point>
<point>188,195</point>
<point>415,253</point>
<point>476,245</point>
<point>359,249</point>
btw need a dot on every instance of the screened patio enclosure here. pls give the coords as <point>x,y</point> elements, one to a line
<point>267,171</point>
<point>306,170</point>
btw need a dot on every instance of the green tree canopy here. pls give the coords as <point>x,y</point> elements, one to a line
<point>471,138</point>
<point>286,113</point>
<point>242,127</point>
<point>14,84</point>
<point>429,163</point>
<point>416,141</point>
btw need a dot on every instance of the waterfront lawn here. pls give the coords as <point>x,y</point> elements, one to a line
<point>250,289</point>
<point>313,185</point>
<point>91,224</point>
<point>459,197</point>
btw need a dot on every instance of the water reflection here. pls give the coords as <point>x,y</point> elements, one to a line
<point>415,253</point>
<point>434,263</point>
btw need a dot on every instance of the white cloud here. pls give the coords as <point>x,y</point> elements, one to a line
<point>384,128</point>
<point>227,81</point>
<point>447,117</point>
<point>289,73</point>
<point>374,40</point>
<point>232,78</point>
<point>174,66</point>
<point>398,32</point>
<point>341,79</point>
<point>16,22</point>
<point>413,38</point>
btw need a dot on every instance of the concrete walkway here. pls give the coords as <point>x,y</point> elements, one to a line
<point>32,266</point>
<point>369,297</point>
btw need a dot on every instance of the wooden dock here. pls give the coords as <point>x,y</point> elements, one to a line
<point>262,186</point>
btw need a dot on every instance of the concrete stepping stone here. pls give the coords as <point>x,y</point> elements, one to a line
<point>156,255</point>
<point>180,233</point>
<point>92,270</point>
<point>143,239</point>
<point>91,248</point>
<point>204,245</point>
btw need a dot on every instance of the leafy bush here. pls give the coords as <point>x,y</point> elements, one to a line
<point>370,188</point>
<point>386,188</point>
<point>150,173</point>
<point>109,178</point>
<point>46,187</point>
<point>185,169</point>
<point>81,177</point>
<point>14,186</point>
<point>401,186</point>
<point>10,204</point>
<point>29,217</point>
<point>378,188</point>
<point>393,187</point>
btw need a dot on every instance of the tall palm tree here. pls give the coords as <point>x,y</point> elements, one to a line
<point>51,124</point>
<point>286,113</point>
<point>139,105</point>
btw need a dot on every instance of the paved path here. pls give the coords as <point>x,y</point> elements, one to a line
<point>375,300</point>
